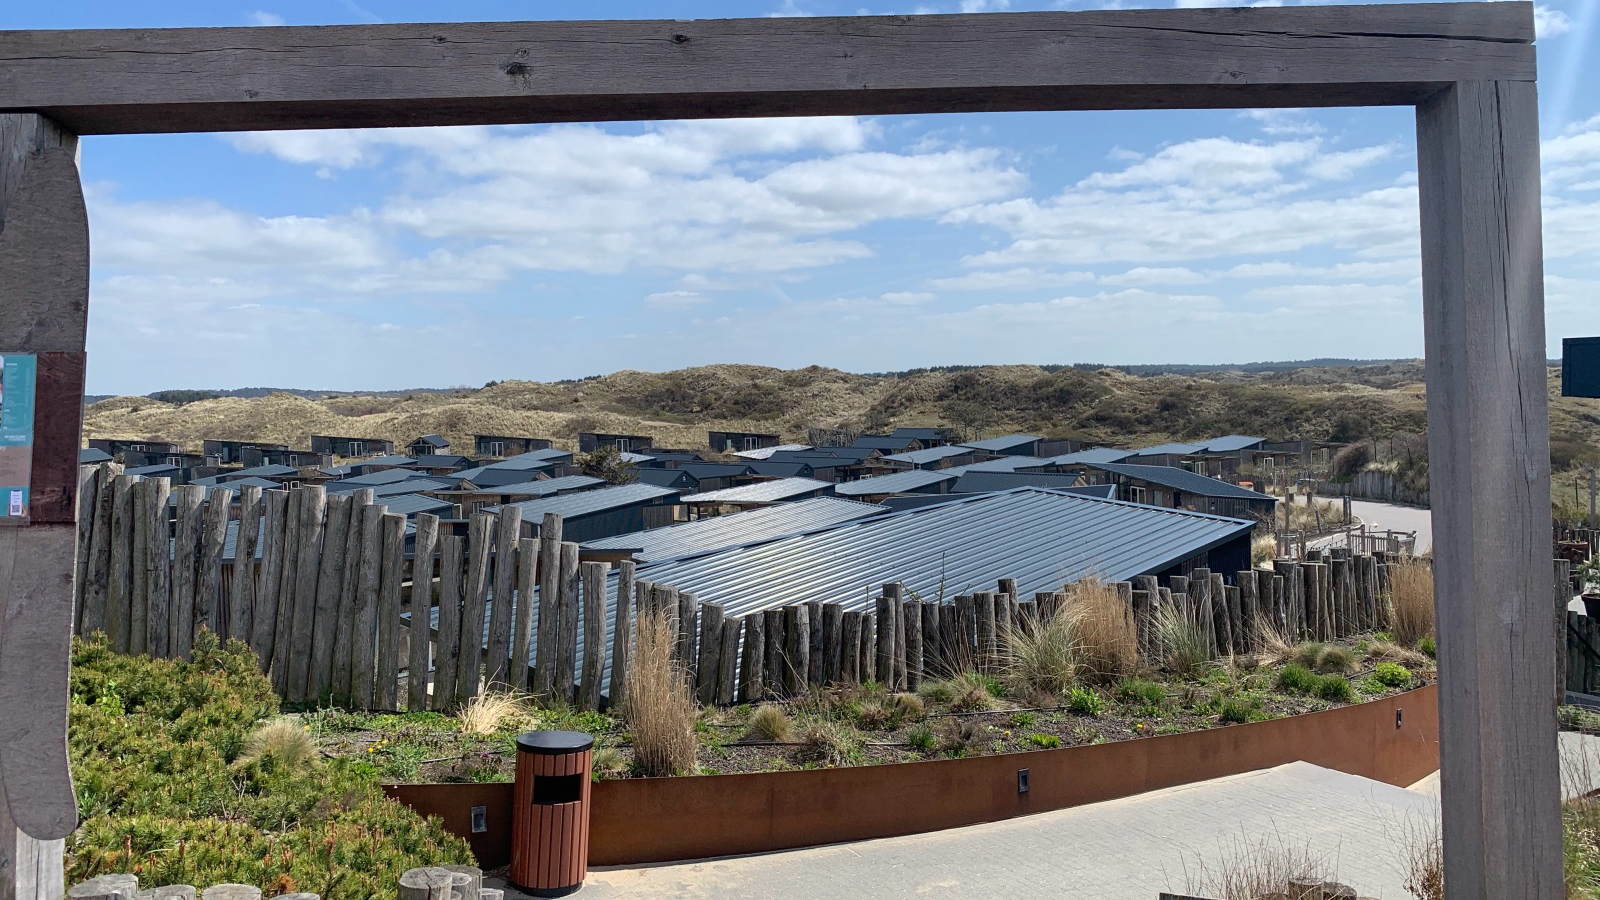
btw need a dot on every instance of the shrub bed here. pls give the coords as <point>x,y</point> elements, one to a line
<point>184,776</point>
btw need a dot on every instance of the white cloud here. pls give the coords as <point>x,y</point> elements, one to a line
<point>1283,121</point>
<point>906,298</point>
<point>1343,164</point>
<point>978,6</point>
<point>1144,275</point>
<point>1210,163</point>
<point>1010,279</point>
<point>261,17</point>
<point>1548,22</point>
<point>676,299</point>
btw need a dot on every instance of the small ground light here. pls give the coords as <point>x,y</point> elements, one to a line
<point>1022,781</point>
<point>480,819</point>
<point>1398,713</point>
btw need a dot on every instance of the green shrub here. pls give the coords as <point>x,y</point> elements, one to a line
<point>1239,709</point>
<point>166,788</point>
<point>1296,679</point>
<point>1022,720</point>
<point>921,739</point>
<point>1307,654</point>
<point>1044,741</point>
<point>1085,702</point>
<point>1142,690</point>
<point>1334,689</point>
<point>1391,675</point>
<point>1429,646</point>
<point>1335,659</point>
<point>1184,647</point>
<point>769,723</point>
<point>829,744</point>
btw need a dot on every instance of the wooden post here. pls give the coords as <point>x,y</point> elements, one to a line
<point>620,643</point>
<point>567,633</point>
<point>988,646</point>
<point>797,649</point>
<point>752,681</point>
<point>158,570</point>
<point>775,663</point>
<point>1488,442</point>
<point>894,593</point>
<point>185,552</point>
<point>815,652</point>
<point>544,672</point>
<point>884,661</point>
<point>242,597</point>
<point>594,632</point>
<point>313,503</point>
<point>475,603</point>
<point>364,649</point>
<point>710,654</point>
<point>283,629</point>
<point>1562,585</point>
<point>138,580</point>
<point>119,602</point>
<point>332,639</point>
<point>448,639</point>
<point>728,662</point>
<point>497,664</point>
<point>1199,592</point>
<point>208,611</point>
<point>420,640</point>
<point>932,658</point>
<point>98,559</point>
<point>832,664</point>
<point>867,656</point>
<point>965,654</point>
<point>88,480</point>
<point>911,619</point>
<point>1249,609</point>
<point>688,632</point>
<point>522,628</point>
<point>849,647</point>
<point>392,532</point>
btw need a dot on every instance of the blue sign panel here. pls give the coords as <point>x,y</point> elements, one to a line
<point>18,372</point>
<point>1580,367</point>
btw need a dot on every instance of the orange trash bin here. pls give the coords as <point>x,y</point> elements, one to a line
<point>550,825</point>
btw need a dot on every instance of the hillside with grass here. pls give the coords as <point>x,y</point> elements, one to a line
<point>1321,402</point>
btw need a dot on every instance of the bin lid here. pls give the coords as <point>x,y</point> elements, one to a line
<point>554,742</point>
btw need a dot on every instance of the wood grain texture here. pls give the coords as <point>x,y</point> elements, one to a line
<point>420,640</point>
<point>448,636</point>
<point>709,653</point>
<point>497,658</point>
<point>364,634</point>
<point>208,596</point>
<point>229,79</point>
<point>119,607</point>
<point>313,507</point>
<point>88,481</point>
<point>752,657</point>
<point>330,636</point>
<point>35,653</point>
<point>727,662</point>
<point>346,581</point>
<point>284,628</point>
<point>386,695</point>
<point>474,605</point>
<point>138,579</point>
<point>158,568</point>
<point>242,593</point>
<point>594,634</point>
<point>621,638</point>
<point>566,640</point>
<point>188,532</point>
<point>264,615</point>
<point>1488,441</point>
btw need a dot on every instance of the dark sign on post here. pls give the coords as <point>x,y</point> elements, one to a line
<point>1580,367</point>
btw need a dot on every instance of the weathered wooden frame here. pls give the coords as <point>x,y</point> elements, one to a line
<point>1467,68</point>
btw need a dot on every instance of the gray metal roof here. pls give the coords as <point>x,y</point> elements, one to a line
<point>977,482</point>
<point>897,483</point>
<point>89,456</point>
<point>1040,537</point>
<point>635,458</point>
<point>392,460</point>
<point>432,440</point>
<point>766,452</point>
<point>781,469</point>
<point>932,454</point>
<point>1005,464</point>
<point>1184,480</point>
<point>1006,442</point>
<point>704,470</point>
<point>1168,450</point>
<point>385,476</point>
<point>1091,455</point>
<point>763,491</point>
<point>411,504</point>
<point>414,485</point>
<point>586,503</point>
<point>156,471</point>
<point>1232,443</point>
<point>546,487</point>
<point>673,478</point>
<point>882,443</point>
<point>735,529</point>
<point>528,460</point>
<point>917,501</point>
<point>266,471</point>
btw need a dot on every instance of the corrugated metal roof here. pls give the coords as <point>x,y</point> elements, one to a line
<point>762,491</point>
<point>432,440</point>
<point>266,471</point>
<point>1042,538</point>
<point>1092,455</point>
<point>882,443</point>
<point>922,434</point>
<point>736,529</point>
<point>672,478</point>
<point>1006,442</point>
<point>1183,480</point>
<point>781,469</point>
<point>635,458</point>
<point>90,456</point>
<point>1167,450</point>
<point>766,452</point>
<point>932,454</point>
<point>976,482</point>
<point>439,461</point>
<point>159,470</point>
<point>703,471</point>
<point>411,504</point>
<point>546,487</point>
<point>386,476</point>
<point>917,501</point>
<point>533,459</point>
<point>1232,443</point>
<point>586,503</point>
<point>1005,464</point>
<point>394,460</point>
<point>487,476</point>
<point>897,483</point>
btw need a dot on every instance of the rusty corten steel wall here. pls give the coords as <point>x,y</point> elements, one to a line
<point>643,820</point>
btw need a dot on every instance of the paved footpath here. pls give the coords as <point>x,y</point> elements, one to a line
<point>1128,849</point>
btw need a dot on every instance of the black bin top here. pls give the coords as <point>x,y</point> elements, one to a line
<point>554,743</point>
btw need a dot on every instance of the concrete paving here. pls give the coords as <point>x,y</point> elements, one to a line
<point>1128,849</point>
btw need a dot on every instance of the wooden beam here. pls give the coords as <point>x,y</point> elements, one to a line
<point>233,79</point>
<point>1488,442</point>
<point>44,290</point>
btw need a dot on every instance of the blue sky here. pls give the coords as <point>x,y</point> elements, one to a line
<point>407,258</point>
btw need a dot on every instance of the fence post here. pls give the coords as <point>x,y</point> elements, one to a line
<point>1562,584</point>
<point>208,609</point>
<point>392,571</point>
<point>707,671</point>
<point>190,526</point>
<point>158,568</point>
<point>522,629</point>
<point>911,622</point>
<point>567,627</point>
<point>331,644</point>
<point>544,671</point>
<point>594,633</point>
<point>797,649</point>
<point>752,682</point>
<point>420,639</point>
<point>138,577</point>
<point>620,644</point>
<point>313,504</point>
<point>448,654</point>
<point>498,660</point>
<point>775,666</point>
<point>282,629</point>
<point>242,599</point>
<point>832,659</point>
<point>814,621</point>
<point>365,651</point>
<point>849,650</point>
<point>474,604</point>
<point>932,636</point>
<point>88,484</point>
<point>728,662</point>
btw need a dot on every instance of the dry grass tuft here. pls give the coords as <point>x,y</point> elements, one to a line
<point>828,744</point>
<point>661,707</point>
<point>1271,646</point>
<point>1411,602</point>
<point>1102,630</point>
<point>1248,869</point>
<point>1044,658</point>
<point>488,714</point>
<point>284,739</point>
<point>1386,651</point>
<point>769,723</point>
<point>1183,646</point>
<point>1422,860</point>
